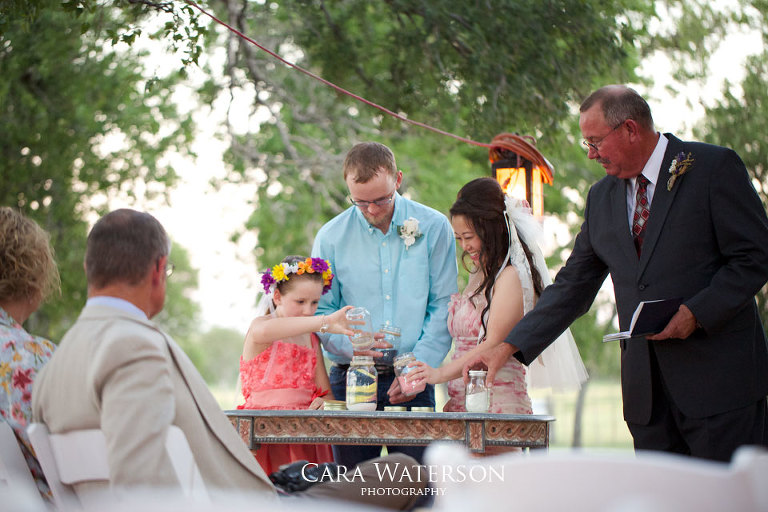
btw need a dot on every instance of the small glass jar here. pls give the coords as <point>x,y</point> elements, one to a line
<point>362,382</point>
<point>360,322</point>
<point>409,388</point>
<point>391,336</point>
<point>477,397</point>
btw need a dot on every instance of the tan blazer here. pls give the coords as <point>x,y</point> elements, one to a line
<point>122,374</point>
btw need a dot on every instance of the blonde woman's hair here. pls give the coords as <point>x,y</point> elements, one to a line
<point>27,266</point>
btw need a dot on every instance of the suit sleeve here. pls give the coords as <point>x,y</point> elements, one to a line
<point>741,230</point>
<point>562,302</point>
<point>134,388</point>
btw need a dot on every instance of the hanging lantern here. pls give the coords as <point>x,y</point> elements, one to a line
<point>520,169</point>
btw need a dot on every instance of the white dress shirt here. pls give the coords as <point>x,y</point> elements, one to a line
<point>651,172</point>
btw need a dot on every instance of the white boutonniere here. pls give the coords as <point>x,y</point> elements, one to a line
<point>679,166</point>
<point>409,232</point>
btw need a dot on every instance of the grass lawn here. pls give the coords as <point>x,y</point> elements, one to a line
<point>602,420</point>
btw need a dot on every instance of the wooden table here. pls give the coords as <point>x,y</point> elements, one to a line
<point>475,430</point>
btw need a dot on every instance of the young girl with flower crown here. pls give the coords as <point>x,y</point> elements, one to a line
<point>282,362</point>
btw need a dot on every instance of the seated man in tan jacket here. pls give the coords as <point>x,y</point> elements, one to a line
<point>115,370</point>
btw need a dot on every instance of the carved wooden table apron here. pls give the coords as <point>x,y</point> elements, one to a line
<point>475,430</point>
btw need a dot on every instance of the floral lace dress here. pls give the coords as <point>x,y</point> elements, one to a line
<point>282,377</point>
<point>22,355</point>
<point>509,394</point>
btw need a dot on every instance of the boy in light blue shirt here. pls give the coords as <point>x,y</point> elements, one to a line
<point>396,258</point>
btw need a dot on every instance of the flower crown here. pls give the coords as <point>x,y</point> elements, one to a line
<point>280,272</point>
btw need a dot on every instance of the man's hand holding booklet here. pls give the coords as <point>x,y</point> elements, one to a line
<point>650,317</point>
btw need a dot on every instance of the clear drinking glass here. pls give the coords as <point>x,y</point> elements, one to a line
<point>409,388</point>
<point>360,323</point>
<point>391,336</point>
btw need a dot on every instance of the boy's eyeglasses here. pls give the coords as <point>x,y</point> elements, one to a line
<point>377,202</point>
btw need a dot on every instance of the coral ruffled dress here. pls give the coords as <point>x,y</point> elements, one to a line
<point>283,378</point>
<point>509,394</point>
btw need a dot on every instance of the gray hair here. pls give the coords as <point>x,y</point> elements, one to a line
<point>619,103</point>
<point>122,247</point>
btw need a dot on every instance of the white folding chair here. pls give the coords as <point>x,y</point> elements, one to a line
<point>14,473</point>
<point>752,463</point>
<point>603,482</point>
<point>80,456</point>
<point>184,465</point>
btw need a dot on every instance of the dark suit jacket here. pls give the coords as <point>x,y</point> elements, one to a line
<point>707,242</point>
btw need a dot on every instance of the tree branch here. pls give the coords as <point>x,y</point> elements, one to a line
<point>160,6</point>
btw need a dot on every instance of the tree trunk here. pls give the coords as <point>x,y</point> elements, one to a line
<point>577,415</point>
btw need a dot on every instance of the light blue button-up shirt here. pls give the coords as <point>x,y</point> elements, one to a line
<point>117,303</point>
<point>408,288</point>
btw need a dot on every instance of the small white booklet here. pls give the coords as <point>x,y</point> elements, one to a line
<point>650,317</point>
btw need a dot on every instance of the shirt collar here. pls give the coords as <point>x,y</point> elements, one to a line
<point>6,318</point>
<point>117,303</point>
<point>398,216</point>
<point>653,165</point>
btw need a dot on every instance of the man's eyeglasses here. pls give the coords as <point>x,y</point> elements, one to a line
<point>377,202</point>
<point>596,144</point>
<point>169,267</point>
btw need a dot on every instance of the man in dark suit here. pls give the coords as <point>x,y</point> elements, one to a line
<point>671,219</point>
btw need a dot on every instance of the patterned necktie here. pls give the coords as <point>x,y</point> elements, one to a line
<point>641,212</point>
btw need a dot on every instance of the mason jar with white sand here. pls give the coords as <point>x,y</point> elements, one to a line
<point>477,397</point>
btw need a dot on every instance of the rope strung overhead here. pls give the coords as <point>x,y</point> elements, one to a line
<point>505,141</point>
<point>334,86</point>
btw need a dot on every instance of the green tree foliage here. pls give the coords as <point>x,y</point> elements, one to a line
<point>180,25</point>
<point>216,353</point>
<point>740,119</point>
<point>469,68</point>
<point>81,124</point>
<point>486,66</point>
<point>180,316</point>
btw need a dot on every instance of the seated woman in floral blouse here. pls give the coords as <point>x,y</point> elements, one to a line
<point>28,275</point>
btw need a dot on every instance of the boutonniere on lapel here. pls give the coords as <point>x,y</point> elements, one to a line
<point>409,232</point>
<point>679,166</point>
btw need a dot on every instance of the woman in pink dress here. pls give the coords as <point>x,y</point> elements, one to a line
<point>282,363</point>
<point>507,273</point>
<point>509,394</point>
